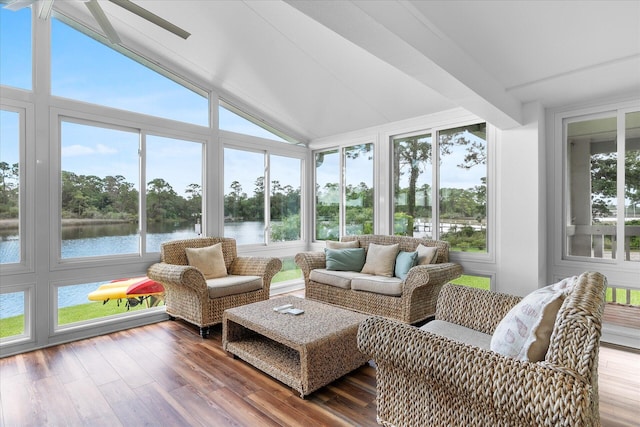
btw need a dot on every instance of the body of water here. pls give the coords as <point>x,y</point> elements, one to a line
<point>109,239</point>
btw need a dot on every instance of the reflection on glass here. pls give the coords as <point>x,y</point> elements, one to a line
<point>358,184</point>
<point>285,198</point>
<point>174,189</point>
<point>327,195</point>
<point>9,187</point>
<point>12,310</point>
<point>632,187</point>
<point>99,191</point>
<point>592,158</point>
<point>244,196</point>
<point>463,187</point>
<point>412,176</point>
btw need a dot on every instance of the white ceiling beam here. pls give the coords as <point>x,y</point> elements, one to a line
<point>397,33</point>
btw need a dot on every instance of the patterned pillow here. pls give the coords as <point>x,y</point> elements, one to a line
<point>381,259</point>
<point>209,260</point>
<point>525,331</point>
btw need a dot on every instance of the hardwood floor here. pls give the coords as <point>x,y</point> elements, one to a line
<point>165,374</point>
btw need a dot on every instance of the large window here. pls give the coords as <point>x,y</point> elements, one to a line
<point>327,195</point>
<point>262,191</point>
<point>346,171</point>
<point>603,183</point>
<point>455,209</point>
<point>104,76</point>
<point>99,190</point>
<point>10,135</point>
<point>174,189</point>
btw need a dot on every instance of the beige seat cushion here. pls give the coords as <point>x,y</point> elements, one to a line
<point>209,260</point>
<point>233,285</point>
<point>458,333</point>
<point>391,286</point>
<point>339,279</point>
<point>381,259</point>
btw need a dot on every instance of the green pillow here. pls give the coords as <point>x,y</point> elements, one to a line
<point>351,259</point>
<point>404,262</point>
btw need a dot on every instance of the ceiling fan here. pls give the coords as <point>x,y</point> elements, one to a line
<point>46,6</point>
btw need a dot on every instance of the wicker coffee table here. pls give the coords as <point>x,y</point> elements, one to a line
<point>305,351</point>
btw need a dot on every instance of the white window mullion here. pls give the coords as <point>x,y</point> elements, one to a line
<point>620,217</point>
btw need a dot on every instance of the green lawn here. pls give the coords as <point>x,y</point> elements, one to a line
<point>473,281</point>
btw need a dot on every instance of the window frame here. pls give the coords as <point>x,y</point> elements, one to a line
<point>267,147</point>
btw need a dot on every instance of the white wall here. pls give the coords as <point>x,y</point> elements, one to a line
<point>521,206</point>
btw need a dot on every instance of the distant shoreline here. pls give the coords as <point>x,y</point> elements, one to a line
<point>8,224</point>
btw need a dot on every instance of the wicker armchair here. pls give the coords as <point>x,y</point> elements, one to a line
<point>187,292</point>
<point>426,379</point>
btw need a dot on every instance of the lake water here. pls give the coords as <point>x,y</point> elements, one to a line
<point>109,239</point>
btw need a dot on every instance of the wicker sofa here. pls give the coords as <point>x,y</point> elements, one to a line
<point>191,297</point>
<point>419,291</point>
<point>424,378</point>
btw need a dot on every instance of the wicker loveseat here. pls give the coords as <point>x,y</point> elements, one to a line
<point>417,293</point>
<point>191,297</point>
<point>427,379</point>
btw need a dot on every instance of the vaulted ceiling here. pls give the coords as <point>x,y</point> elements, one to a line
<point>316,68</point>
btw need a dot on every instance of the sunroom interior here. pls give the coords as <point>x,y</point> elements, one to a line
<point>511,129</point>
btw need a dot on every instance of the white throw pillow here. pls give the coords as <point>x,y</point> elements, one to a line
<point>381,259</point>
<point>526,330</point>
<point>427,254</point>
<point>209,260</point>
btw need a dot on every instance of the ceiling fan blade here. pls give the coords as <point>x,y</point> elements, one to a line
<point>18,4</point>
<point>151,17</point>
<point>103,21</point>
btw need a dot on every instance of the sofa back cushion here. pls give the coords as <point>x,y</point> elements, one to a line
<point>349,259</point>
<point>406,243</point>
<point>381,259</point>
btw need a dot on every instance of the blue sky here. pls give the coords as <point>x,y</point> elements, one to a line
<point>78,62</point>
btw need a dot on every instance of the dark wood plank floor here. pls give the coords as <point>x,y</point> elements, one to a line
<point>166,375</point>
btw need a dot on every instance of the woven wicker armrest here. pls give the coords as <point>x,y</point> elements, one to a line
<point>525,393</point>
<point>178,275</point>
<point>473,308</point>
<point>308,261</point>
<point>431,275</point>
<point>265,267</point>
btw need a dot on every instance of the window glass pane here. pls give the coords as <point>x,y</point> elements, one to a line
<point>358,183</point>
<point>592,185</point>
<point>463,187</point>
<point>9,187</point>
<point>174,190</point>
<point>103,76</point>
<point>412,180</point>
<point>244,196</point>
<point>632,187</point>
<point>289,271</point>
<point>232,122</point>
<point>12,320</point>
<point>100,185</point>
<point>78,303</point>
<point>285,198</point>
<point>328,195</point>
<point>15,48</point>
<point>479,282</point>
